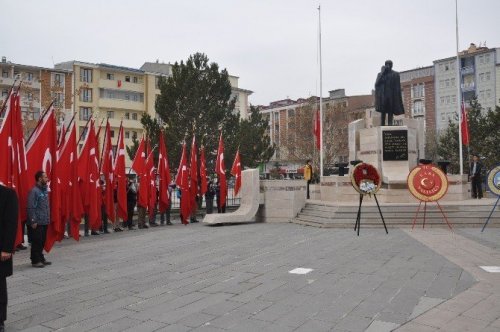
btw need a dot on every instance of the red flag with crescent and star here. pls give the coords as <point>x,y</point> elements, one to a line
<point>220,170</point>
<point>236,172</point>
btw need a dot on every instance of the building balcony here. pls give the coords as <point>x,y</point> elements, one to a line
<point>125,86</point>
<point>467,70</point>
<point>121,104</point>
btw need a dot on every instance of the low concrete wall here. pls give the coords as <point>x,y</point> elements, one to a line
<point>282,200</point>
<point>249,205</point>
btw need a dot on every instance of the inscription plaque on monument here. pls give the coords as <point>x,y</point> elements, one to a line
<point>395,145</point>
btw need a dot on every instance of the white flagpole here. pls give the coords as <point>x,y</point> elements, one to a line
<point>320,101</point>
<point>459,94</point>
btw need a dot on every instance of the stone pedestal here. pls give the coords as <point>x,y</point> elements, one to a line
<point>394,150</point>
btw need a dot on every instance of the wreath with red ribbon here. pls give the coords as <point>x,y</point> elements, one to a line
<point>364,172</point>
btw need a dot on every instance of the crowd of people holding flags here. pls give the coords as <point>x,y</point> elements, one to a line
<point>92,184</point>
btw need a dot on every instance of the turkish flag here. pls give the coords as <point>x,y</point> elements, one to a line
<point>317,129</point>
<point>70,190</point>
<point>12,148</point>
<point>182,182</point>
<point>236,171</point>
<point>193,176</point>
<point>108,172</point>
<point>151,178</point>
<point>139,166</point>
<point>88,172</point>
<point>220,169</point>
<point>464,126</point>
<point>164,176</point>
<point>120,177</point>
<point>41,154</point>
<point>139,163</point>
<point>203,172</point>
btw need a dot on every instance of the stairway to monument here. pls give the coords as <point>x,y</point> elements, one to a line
<point>469,213</point>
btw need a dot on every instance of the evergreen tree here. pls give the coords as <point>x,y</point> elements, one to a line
<point>196,100</point>
<point>484,139</point>
<point>253,140</point>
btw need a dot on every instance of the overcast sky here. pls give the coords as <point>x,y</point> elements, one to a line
<point>272,45</point>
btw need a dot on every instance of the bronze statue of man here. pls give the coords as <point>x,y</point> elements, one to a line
<point>388,98</point>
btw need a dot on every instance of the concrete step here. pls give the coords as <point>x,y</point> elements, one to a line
<point>396,215</point>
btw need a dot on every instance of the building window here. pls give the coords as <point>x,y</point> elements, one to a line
<point>441,84</point>
<point>481,77</point>
<point>29,96</point>
<point>481,59</point>
<point>86,75</point>
<point>110,76</point>
<point>135,97</point>
<point>418,108</point>
<point>134,134</point>
<point>29,77</point>
<point>448,99</point>
<point>488,94</point>
<point>135,80</point>
<point>57,80</point>
<point>454,99</point>
<point>487,58</point>
<point>417,91</point>
<point>134,116</point>
<point>58,99</point>
<point>441,100</point>
<point>112,134</point>
<point>127,96</point>
<point>85,113</point>
<point>86,95</point>
<point>127,134</point>
<point>111,114</point>
<point>488,76</point>
<point>447,83</point>
<point>5,74</point>
<point>127,116</point>
<point>453,81</point>
<point>127,78</point>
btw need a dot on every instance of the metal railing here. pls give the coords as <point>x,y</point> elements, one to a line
<point>231,199</point>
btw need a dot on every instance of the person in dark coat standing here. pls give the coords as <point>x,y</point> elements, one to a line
<point>209,197</point>
<point>388,99</point>
<point>131,202</point>
<point>475,177</point>
<point>38,218</point>
<point>8,230</point>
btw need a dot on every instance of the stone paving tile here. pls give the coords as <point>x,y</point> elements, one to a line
<point>147,326</point>
<point>196,319</point>
<point>232,278</point>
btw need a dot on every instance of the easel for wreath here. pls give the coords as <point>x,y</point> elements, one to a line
<point>493,181</point>
<point>428,183</point>
<point>366,180</point>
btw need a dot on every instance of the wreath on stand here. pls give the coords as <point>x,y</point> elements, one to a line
<point>366,179</point>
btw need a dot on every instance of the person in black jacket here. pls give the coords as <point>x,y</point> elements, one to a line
<point>131,202</point>
<point>209,197</point>
<point>475,177</point>
<point>8,230</point>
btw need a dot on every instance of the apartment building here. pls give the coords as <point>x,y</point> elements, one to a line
<point>39,88</point>
<point>157,69</point>
<point>418,89</point>
<point>291,125</point>
<point>120,94</point>
<point>479,77</point>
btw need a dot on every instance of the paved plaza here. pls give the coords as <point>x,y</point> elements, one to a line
<point>236,278</point>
